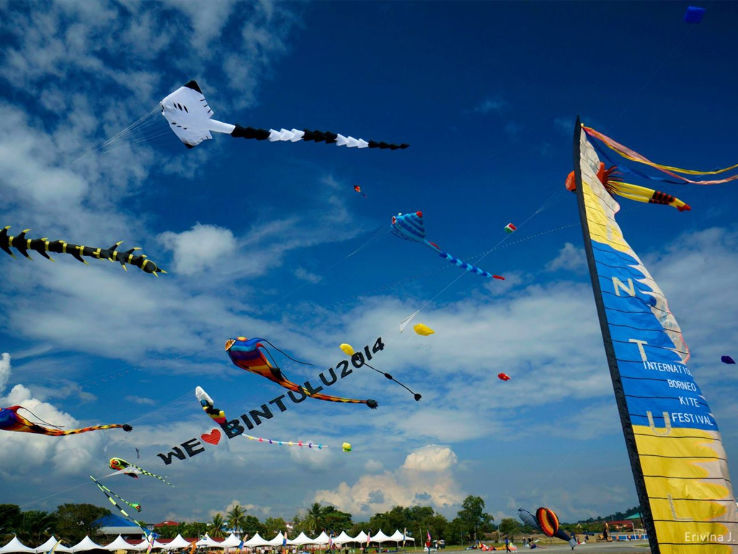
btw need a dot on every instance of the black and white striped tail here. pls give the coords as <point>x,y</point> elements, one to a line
<point>294,135</point>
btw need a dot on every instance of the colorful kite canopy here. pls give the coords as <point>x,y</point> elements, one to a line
<point>503,376</point>
<point>422,329</point>
<point>249,354</point>
<point>43,246</point>
<point>218,416</point>
<point>190,118</point>
<point>510,228</point>
<point>132,470</point>
<point>671,171</point>
<point>727,360</point>
<point>630,191</point>
<point>410,227</point>
<point>11,420</point>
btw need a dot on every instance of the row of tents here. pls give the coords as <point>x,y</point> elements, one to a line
<point>232,541</point>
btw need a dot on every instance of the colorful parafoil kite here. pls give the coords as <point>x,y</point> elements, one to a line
<point>547,522</point>
<point>503,376</point>
<point>510,228</point>
<point>349,351</point>
<point>630,191</point>
<point>218,416</point>
<point>190,118</point>
<point>249,354</point>
<point>11,420</point>
<point>43,246</point>
<point>410,227</point>
<point>422,329</point>
<point>727,360</point>
<point>132,470</point>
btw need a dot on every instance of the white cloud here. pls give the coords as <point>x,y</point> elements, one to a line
<point>200,248</point>
<point>426,477</point>
<point>569,258</point>
<point>4,369</point>
<point>489,105</point>
<point>305,275</point>
<point>141,400</point>
<point>430,458</point>
<point>64,454</point>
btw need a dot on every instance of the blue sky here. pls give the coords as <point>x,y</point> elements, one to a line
<point>258,238</point>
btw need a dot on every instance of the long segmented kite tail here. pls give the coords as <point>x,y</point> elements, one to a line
<point>43,246</point>
<point>144,472</point>
<point>305,444</point>
<point>469,267</point>
<point>294,135</point>
<point>60,432</point>
<point>110,494</point>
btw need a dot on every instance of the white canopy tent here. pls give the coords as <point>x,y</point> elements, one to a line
<point>86,544</point>
<point>343,538</point>
<point>361,537</point>
<point>207,542</point>
<point>300,540</point>
<point>255,541</point>
<point>15,546</point>
<point>379,537</point>
<point>277,540</point>
<point>140,547</point>
<point>323,538</point>
<point>232,541</point>
<point>118,544</point>
<point>177,543</point>
<point>397,536</point>
<point>49,544</point>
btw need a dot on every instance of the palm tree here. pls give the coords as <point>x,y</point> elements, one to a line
<point>215,529</point>
<point>314,518</point>
<point>237,519</point>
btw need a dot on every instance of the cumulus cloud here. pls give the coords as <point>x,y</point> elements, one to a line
<point>425,477</point>
<point>4,369</point>
<point>65,454</point>
<point>569,258</point>
<point>200,248</point>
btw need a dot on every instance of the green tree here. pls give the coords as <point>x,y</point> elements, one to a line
<point>508,527</point>
<point>215,529</point>
<point>10,518</point>
<point>74,521</point>
<point>335,520</point>
<point>35,527</point>
<point>472,520</point>
<point>313,520</point>
<point>273,525</point>
<point>251,526</point>
<point>237,519</point>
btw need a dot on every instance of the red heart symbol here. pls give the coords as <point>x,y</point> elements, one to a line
<point>213,437</point>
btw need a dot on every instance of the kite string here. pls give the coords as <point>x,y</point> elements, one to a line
<point>425,303</point>
<point>286,356</point>
<point>40,419</point>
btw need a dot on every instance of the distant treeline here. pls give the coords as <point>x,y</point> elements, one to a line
<point>71,522</point>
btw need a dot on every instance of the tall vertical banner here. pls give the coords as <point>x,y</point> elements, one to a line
<point>674,446</point>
